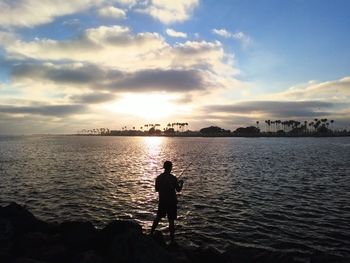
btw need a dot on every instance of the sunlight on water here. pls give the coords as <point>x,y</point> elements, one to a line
<point>272,192</point>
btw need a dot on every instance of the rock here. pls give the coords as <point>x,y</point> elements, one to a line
<point>115,228</point>
<point>88,257</point>
<point>21,219</point>
<point>55,254</point>
<point>77,235</point>
<point>320,257</point>
<point>7,231</point>
<point>159,238</point>
<point>30,245</point>
<point>131,247</point>
<point>7,234</point>
<point>4,257</point>
<point>250,255</point>
<point>207,255</point>
<point>27,260</point>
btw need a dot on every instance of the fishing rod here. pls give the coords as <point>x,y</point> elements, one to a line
<point>184,170</point>
<point>203,150</point>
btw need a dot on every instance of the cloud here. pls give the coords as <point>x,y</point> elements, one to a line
<point>116,50</point>
<point>129,3</point>
<point>45,110</point>
<point>162,80</point>
<point>92,98</point>
<point>29,13</point>
<point>113,46</point>
<point>173,33</point>
<point>168,11</point>
<point>113,12</point>
<point>277,109</point>
<point>7,38</point>
<point>245,39</point>
<point>75,23</point>
<point>78,74</point>
<point>222,32</point>
<point>335,90</point>
<point>93,77</point>
<point>118,47</point>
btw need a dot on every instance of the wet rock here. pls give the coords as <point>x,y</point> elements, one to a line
<point>115,228</point>
<point>320,257</point>
<point>21,219</point>
<point>132,247</point>
<point>55,254</point>
<point>30,245</point>
<point>4,257</point>
<point>207,255</point>
<point>27,260</point>
<point>7,233</point>
<point>77,235</point>
<point>7,230</point>
<point>252,255</point>
<point>159,238</point>
<point>88,257</point>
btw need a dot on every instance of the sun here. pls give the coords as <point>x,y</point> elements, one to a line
<point>147,106</point>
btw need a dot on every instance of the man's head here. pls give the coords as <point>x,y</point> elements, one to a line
<point>168,166</point>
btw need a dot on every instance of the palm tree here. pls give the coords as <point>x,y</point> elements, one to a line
<point>317,124</point>
<point>311,124</point>
<point>268,122</point>
<point>278,123</point>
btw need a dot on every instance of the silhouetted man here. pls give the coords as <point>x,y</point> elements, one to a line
<point>167,185</point>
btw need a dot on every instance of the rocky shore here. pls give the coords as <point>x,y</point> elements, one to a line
<point>26,239</point>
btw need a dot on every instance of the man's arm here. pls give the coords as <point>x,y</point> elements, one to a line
<point>179,185</point>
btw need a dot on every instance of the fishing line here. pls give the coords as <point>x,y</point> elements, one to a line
<point>202,150</point>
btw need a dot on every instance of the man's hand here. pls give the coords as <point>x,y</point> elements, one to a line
<point>181,182</point>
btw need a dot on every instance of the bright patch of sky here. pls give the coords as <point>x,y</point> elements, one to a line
<point>69,62</point>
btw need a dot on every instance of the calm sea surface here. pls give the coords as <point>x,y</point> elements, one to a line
<point>288,194</point>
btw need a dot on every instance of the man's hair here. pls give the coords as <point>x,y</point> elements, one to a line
<point>167,165</point>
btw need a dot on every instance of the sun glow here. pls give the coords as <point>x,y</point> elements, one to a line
<point>147,106</point>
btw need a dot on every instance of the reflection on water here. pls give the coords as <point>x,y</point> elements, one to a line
<point>290,194</point>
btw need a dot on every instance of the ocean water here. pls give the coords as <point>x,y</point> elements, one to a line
<point>285,194</point>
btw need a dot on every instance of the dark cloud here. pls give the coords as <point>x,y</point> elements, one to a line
<point>277,108</point>
<point>161,80</point>
<point>93,98</point>
<point>93,77</point>
<point>60,74</point>
<point>45,110</point>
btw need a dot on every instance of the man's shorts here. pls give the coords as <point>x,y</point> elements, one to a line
<point>167,210</point>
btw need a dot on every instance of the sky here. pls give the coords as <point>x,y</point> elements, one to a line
<point>83,64</point>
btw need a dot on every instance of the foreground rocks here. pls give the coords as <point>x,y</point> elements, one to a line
<point>26,239</point>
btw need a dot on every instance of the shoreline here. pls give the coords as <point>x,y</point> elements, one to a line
<point>27,239</point>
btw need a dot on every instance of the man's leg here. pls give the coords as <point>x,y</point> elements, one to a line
<point>172,230</point>
<point>155,223</point>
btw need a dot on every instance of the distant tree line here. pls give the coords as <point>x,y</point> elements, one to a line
<point>316,127</point>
